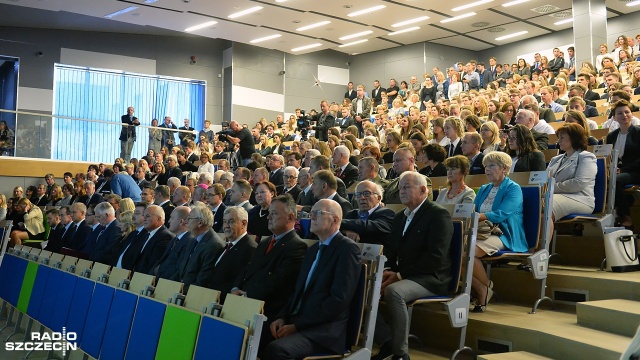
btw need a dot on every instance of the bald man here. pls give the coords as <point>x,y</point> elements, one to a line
<point>244,138</point>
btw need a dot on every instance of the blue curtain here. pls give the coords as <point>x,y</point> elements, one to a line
<point>103,96</point>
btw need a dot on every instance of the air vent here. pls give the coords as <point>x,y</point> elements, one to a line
<point>564,14</point>
<point>480,24</point>
<point>496,29</point>
<point>570,296</point>
<point>545,9</point>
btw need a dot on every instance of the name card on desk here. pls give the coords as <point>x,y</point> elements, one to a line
<point>538,177</point>
<point>462,210</point>
<point>602,150</point>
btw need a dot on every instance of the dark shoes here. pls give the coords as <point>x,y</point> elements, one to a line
<point>385,352</point>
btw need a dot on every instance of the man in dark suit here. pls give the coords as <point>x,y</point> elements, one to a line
<point>168,135</point>
<point>128,133</point>
<point>584,79</point>
<point>240,193</point>
<point>127,254</point>
<point>161,198</point>
<point>325,121</point>
<point>419,260</point>
<point>376,94</point>
<point>290,176</point>
<point>214,197</point>
<point>485,76</point>
<point>345,120</point>
<point>139,176</point>
<point>527,118</point>
<point>156,242</point>
<point>361,109</point>
<point>315,318</point>
<point>325,186</point>
<point>557,63</point>
<point>471,143</point>
<point>234,257</point>
<point>271,274</point>
<point>57,229</point>
<point>81,228</point>
<point>197,261</point>
<point>93,198</point>
<point>167,266</point>
<point>370,222</point>
<point>186,133</point>
<point>403,161</point>
<point>40,198</point>
<point>344,169</point>
<point>275,165</point>
<point>109,240</point>
<point>351,93</point>
<point>454,148</point>
<point>96,229</point>
<point>305,199</point>
<point>322,162</point>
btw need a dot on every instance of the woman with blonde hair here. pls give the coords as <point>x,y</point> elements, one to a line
<point>480,107</point>
<point>561,83</point>
<point>3,207</point>
<point>323,148</point>
<point>406,126</point>
<point>126,204</point>
<point>438,132</point>
<point>490,134</point>
<point>56,195</point>
<point>31,227</point>
<point>125,218</point>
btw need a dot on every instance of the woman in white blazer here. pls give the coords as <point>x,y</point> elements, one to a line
<point>574,172</point>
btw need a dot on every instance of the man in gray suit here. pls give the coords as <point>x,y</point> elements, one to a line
<point>361,109</point>
<point>197,261</point>
<point>167,266</point>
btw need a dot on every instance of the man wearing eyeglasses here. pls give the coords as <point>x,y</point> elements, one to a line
<point>527,118</point>
<point>370,221</point>
<point>290,186</point>
<point>315,318</point>
<point>213,198</point>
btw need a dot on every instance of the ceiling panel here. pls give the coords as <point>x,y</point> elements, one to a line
<point>490,36</point>
<point>482,20</point>
<point>533,8</point>
<point>463,42</point>
<point>621,6</point>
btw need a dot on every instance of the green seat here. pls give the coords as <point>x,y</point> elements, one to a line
<point>178,335</point>
<point>27,286</point>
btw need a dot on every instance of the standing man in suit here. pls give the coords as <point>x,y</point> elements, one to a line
<point>108,242</point>
<point>215,195</point>
<point>197,261</point>
<point>557,63</point>
<point>167,266</point>
<point>290,186</point>
<point>350,94</point>
<point>325,186</point>
<point>419,260</point>
<point>361,108</point>
<point>471,143</point>
<point>344,169</point>
<point>236,254</point>
<point>315,318</point>
<point>369,222</point>
<point>376,93</point>
<point>156,242</point>
<point>536,65</point>
<point>325,121</point>
<point>186,133</point>
<point>272,272</point>
<point>239,195</point>
<point>128,133</point>
<point>168,135</point>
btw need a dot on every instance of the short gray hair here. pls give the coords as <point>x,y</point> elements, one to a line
<point>418,179</point>
<point>201,211</point>
<point>206,176</point>
<point>291,168</point>
<point>379,189</point>
<point>498,157</point>
<point>342,150</point>
<point>237,212</point>
<point>173,182</point>
<point>104,208</point>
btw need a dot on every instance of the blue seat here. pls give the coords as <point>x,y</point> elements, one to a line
<point>212,346</point>
<point>63,301</point>
<point>145,330</point>
<point>96,320</point>
<point>79,307</point>
<point>37,294</point>
<point>306,227</point>
<point>116,335</point>
<point>51,292</point>
<point>12,270</point>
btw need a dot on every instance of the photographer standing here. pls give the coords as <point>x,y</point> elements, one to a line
<point>325,120</point>
<point>244,138</point>
<point>168,136</point>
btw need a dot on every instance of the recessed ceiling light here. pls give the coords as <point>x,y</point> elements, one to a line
<point>201,26</point>
<point>404,30</point>
<point>363,33</point>
<point>354,43</point>
<point>458,17</point>
<point>245,12</point>
<point>511,35</point>
<point>275,36</point>
<point>314,25</point>
<point>123,11</point>
<point>634,3</point>
<point>306,47</point>
<point>516,2</point>
<point>366,11</point>
<point>411,21</point>
<point>150,1</point>
<point>470,5</point>
<point>565,21</point>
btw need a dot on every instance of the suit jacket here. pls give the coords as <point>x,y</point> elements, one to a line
<point>556,64</point>
<point>629,162</point>
<point>153,251</point>
<point>344,203</point>
<point>486,77</point>
<point>323,305</point>
<point>167,266</point>
<point>168,209</point>
<point>185,136</point>
<point>130,249</point>
<point>128,132</point>
<point>367,104</point>
<point>590,95</point>
<point>534,161</point>
<point>422,254</point>
<point>168,136</point>
<point>575,176</point>
<point>349,175</point>
<point>294,191</point>
<point>93,199</point>
<point>376,96</point>
<point>79,237</point>
<point>54,243</point>
<point>91,240</point>
<point>107,243</point>
<point>456,151</point>
<point>547,115</point>
<point>392,192</point>
<point>375,230</point>
<point>477,168</point>
<point>306,200</point>
<point>542,140</point>
<point>351,94</point>
<point>276,177</point>
<point>40,201</point>
<point>217,217</point>
<point>175,172</point>
<point>271,277</point>
<point>231,264</point>
<point>323,125</point>
<point>196,265</point>
<point>143,183</point>
<point>345,122</point>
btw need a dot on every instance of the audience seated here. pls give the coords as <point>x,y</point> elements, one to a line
<point>457,192</point>
<point>370,222</point>
<point>522,148</point>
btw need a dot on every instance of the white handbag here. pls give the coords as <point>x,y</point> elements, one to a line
<point>621,251</point>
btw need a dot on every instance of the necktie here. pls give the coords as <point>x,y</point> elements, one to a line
<point>339,172</point>
<point>193,248</point>
<point>314,265</point>
<point>226,249</point>
<point>271,243</point>
<point>364,216</point>
<point>451,147</point>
